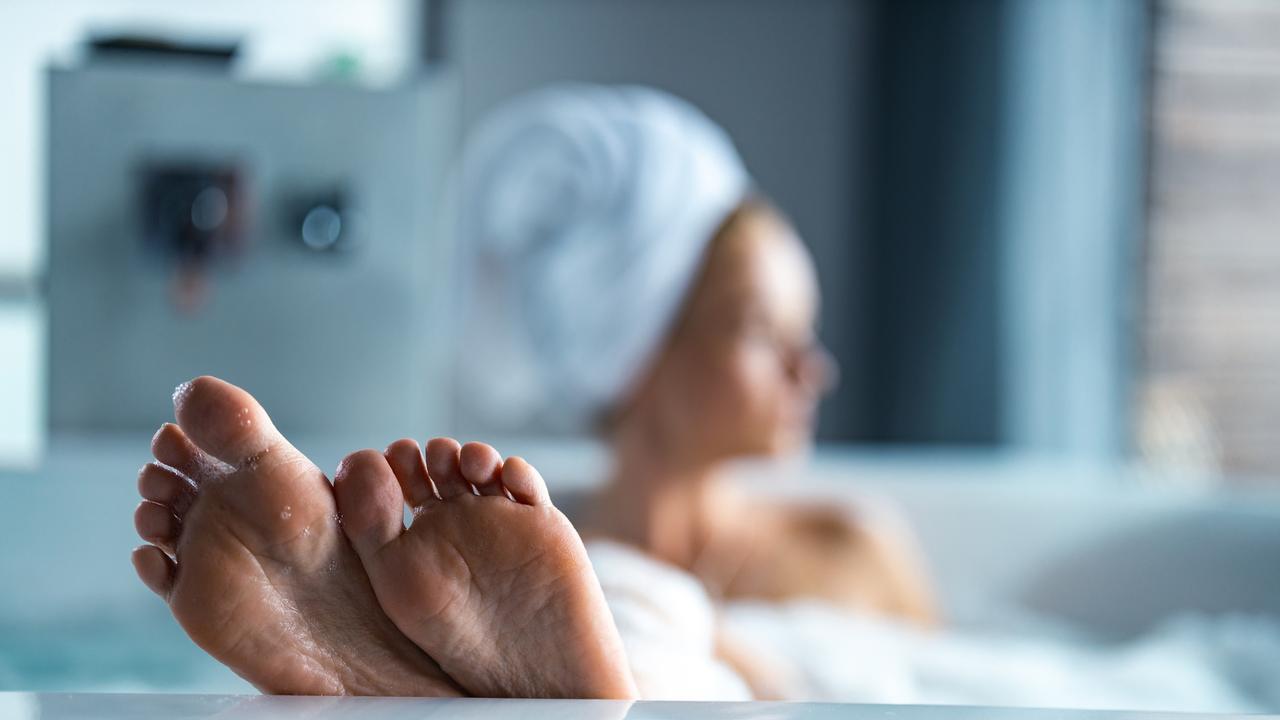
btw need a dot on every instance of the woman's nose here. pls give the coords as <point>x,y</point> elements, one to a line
<point>816,368</point>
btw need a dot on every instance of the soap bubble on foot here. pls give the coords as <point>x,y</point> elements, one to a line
<point>181,392</point>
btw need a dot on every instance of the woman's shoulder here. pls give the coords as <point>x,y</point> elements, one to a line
<point>855,555</point>
<point>829,525</point>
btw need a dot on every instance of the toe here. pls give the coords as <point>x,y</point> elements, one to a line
<point>481,466</point>
<point>369,501</point>
<point>172,447</point>
<point>524,482</point>
<point>154,568</point>
<point>162,484</point>
<point>156,524</point>
<point>405,459</point>
<point>444,468</point>
<point>225,421</point>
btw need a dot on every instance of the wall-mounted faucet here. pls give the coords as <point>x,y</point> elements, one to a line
<point>193,215</point>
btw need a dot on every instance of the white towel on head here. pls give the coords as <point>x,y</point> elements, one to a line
<point>584,214</point>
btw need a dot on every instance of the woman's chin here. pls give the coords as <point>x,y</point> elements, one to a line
<point>792,440</point>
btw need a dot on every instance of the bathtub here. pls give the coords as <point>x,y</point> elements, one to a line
<point>29,706</point>
<point>1004,535</point>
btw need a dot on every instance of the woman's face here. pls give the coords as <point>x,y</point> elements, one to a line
<point>744,371</point>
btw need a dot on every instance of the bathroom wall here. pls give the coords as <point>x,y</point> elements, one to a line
<point>283,39</point>
<point>785,79</point>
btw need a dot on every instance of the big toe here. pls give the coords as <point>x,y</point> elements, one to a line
<point>369,501</point>
<point>224,420</point>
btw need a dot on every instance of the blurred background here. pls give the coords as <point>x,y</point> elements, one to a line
<point>1044,231</point>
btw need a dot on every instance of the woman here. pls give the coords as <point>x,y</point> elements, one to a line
<point>633,283</point>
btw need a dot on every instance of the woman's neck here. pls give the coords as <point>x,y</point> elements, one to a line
<point>659,504</point>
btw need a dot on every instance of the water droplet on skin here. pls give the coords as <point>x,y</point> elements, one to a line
<point>336,518</point>
<point>306,530</point>
<point>286,513</point>
<point>333,566</point>
<point>256,460</point>
<point>242,417</point>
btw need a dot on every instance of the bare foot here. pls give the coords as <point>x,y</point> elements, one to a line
<point>248,552</point>
<point>496,587</point>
